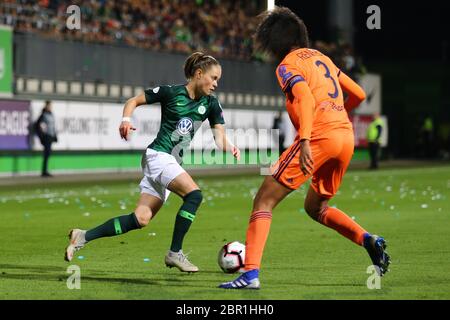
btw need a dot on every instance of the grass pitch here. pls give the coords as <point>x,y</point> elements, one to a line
<point>302,260</point>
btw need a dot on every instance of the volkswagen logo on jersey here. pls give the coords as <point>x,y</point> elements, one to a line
<point>185,126</point>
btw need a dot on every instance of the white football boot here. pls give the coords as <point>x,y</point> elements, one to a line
<point>77,241</point>
<point>179,260</point>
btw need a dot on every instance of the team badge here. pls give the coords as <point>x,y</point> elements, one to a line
<point>201,109</point>
<point>155,90</point>
<point>185,126</point>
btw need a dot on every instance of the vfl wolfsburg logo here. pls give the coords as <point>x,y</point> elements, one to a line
<point>185,126</point>
<point>201,109</point>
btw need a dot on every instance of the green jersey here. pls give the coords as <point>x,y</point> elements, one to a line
<point>181,117</point>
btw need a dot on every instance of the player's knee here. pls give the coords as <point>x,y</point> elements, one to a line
<point>143,215</point>
<point>312,210</point>
<point>193,199</point>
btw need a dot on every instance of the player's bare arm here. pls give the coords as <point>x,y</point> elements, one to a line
<point>305,102</point>
<point>222,141</point>
<point>130,105</point>
<point>306,160</point>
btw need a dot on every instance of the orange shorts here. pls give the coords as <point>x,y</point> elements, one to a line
<point>331,154</point>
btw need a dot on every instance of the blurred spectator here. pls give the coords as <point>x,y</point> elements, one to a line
<point>374,131</point>
<point>344,58</point>
<point>427,139</point>
<point>46,131</point>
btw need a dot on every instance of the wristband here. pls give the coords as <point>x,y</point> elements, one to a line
<point>126,119</point>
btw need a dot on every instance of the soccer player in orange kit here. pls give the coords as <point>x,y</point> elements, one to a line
<point>322,149</point>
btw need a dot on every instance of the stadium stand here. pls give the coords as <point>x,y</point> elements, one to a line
<point>221,28</point>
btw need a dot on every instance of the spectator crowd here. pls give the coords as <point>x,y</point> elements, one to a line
<point>222,28</point>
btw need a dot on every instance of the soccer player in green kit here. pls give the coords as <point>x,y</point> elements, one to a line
<point>183,109</point>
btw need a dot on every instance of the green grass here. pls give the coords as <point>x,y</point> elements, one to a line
<point>302,260</point>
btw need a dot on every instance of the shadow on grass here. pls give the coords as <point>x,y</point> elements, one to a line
<point>329,284</point>
<point>54,273</point>
<point>36,268</point>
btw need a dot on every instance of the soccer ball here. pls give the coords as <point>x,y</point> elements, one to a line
<point>231,257</point>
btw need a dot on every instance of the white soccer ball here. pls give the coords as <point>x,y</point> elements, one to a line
<point>231,257</point>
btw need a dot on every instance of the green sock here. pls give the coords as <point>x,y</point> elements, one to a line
<point>113,227</point>
<point>182,223</point>
<point>184,218</point>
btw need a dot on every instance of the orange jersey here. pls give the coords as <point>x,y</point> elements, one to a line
<point>314,97</point>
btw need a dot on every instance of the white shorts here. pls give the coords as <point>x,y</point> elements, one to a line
<point>159,170</point>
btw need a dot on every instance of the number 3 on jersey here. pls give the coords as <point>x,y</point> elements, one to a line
<point>327,75</point>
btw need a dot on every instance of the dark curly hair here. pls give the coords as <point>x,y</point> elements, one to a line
<point>280,31</point>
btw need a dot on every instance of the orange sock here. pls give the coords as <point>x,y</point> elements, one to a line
<point>257,233</point>
<point>339,221</point>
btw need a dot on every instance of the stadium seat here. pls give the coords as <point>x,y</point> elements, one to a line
<point>20,82</point>
<point>248,99</point>
<point>89,88</point>
<point>62,87</point>
<point>47,86</point>
<point>127,91</point>
<point>32,85</point>
<point>114,91</point>
<point>230,98</point>
<point>239,99</point>
<point>75,88</point>
<point>138,90</point>
<point>102,90</point>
